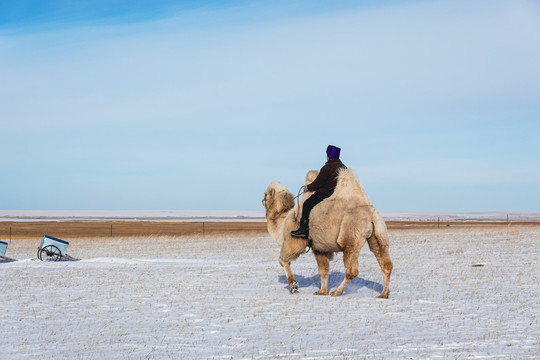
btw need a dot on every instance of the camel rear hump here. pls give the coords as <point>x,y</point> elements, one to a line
<point>350,188</point>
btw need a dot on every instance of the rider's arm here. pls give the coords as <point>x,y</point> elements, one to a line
<point>320,180</point>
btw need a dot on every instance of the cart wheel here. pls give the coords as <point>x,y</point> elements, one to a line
<point>49,253</point>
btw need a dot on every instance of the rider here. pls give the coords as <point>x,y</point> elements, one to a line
<point>323,185</point>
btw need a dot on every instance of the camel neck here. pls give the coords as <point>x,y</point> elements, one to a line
<point>277,215</point>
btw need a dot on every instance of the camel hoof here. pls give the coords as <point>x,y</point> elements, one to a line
<point>293,287</point>
<point>336,293</point>
<point>383,295</point>
<point>321,292</point>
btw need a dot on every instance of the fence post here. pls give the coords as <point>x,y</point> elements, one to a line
<point>203,229</point>
<point>507,226</point>
<point>10,233</point>
<point>438,222</point>
<point>111,229</point>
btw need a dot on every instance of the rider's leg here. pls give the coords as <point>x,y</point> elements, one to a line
<point>309,204</point>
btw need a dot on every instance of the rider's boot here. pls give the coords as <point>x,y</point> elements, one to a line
<point>303,231</point>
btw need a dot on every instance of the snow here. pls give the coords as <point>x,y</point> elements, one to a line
<point>227,298</point>
<point>231,215</point>
<point>129,215</point>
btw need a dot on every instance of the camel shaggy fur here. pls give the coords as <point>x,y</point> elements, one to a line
<point>341,223</point>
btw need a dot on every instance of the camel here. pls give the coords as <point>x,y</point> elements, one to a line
<point>341,223</point>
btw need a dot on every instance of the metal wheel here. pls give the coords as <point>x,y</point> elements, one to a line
<point>49,253</point>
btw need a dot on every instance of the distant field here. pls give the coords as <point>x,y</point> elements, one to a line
<point>77,229</point>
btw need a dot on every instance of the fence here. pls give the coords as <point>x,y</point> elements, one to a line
<point>442,222</point>
<point>77,229</point>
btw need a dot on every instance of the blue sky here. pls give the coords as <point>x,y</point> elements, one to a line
<point>192,105</point>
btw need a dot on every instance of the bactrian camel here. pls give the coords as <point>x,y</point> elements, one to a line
<point>341,223</point>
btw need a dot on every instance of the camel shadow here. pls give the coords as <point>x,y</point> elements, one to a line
<point>334,279</point>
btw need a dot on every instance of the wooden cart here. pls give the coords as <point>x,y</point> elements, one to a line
<point>3,248</point>
<point>53,249</point>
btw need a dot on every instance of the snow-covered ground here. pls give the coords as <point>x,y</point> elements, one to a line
<point>129,215</point>
<point>232,215</point>
<point>454,294</point>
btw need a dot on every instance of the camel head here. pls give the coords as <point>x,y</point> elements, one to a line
<point>277,200</point>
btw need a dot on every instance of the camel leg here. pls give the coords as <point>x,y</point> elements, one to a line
<point>350,260</point>
<point>383,257</point>
<point>291,249</point>
<point>293,283</point>
<point>324,267</point>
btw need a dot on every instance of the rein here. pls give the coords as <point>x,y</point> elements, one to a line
<point>301,192</point>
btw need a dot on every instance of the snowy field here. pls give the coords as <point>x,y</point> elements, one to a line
<point>458,294</point>
<point>233,215</point>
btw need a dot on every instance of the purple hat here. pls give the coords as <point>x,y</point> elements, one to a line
<point>333,151</point>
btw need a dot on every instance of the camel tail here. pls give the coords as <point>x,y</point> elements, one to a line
<point>380,230</point>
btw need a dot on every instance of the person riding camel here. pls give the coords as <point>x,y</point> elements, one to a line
<point>323,185</point>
